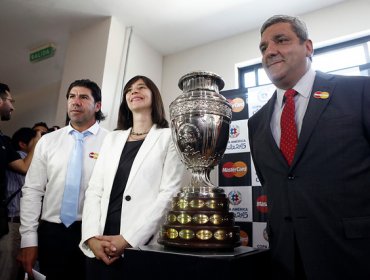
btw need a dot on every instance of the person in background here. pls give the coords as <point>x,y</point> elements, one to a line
<point>55,127</point>
<point>46,238</point>
<point>318,186</point>
<point>133,182</point>
<point>41,126</point>
<point>8,156</point>
<point>10,243</point>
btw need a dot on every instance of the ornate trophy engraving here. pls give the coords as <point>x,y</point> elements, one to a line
<point>200,121</point>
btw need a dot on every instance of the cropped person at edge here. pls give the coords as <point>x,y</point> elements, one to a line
<point>319,212</point>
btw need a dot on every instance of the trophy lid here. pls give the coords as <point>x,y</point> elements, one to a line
<point>200,80</point>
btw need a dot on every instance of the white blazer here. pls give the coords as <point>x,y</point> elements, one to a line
<point>155,178</point>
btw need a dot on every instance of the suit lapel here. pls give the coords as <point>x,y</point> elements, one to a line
<point>314,110</point>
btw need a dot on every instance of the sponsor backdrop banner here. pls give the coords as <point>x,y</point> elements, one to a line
<point>236,173</point>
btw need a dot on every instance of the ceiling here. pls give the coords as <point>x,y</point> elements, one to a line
<point>169,26</point>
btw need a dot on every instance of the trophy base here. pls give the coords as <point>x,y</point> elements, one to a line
<point>225,239</point>
<point>200,221</point>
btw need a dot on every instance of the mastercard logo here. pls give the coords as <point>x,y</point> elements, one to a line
<point>237,104</point>
<point>234,169</point>
<point>261,204</point>
<point>321,94</point>
<point>93,155</point>
<point>244,238</point>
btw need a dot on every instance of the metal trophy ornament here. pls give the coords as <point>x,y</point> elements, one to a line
<point>199,217</point>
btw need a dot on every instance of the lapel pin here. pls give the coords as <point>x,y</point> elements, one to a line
<point>321,95</point>
<point>93,155</point>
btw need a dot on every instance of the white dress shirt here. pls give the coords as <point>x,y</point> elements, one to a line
<point>45,179</point>
<point>303,88</point>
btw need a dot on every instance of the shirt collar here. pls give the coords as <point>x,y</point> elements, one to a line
<point>93,129</point>
<point>303,87</point>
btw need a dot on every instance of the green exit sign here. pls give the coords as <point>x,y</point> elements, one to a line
<point>42,53</point>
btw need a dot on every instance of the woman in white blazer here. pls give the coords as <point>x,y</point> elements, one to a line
<point>137,173</point>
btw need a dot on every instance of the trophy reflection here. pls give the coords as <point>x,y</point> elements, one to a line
<point>200,120</point>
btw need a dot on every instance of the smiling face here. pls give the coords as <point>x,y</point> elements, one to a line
<point>139,97</point>
<point>82,108</point>
<point>284,57</point>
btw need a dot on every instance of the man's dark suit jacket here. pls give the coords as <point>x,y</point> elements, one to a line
<point>323,200</point>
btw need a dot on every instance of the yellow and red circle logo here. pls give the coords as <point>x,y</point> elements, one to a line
<point>321,94</point>
<point>244,238</point>
<point>234,169</point>
<point>237,104</point>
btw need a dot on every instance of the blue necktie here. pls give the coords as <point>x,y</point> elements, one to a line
<point>69,209</point>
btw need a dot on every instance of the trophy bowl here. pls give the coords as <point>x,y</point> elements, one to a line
<point>200,123</point>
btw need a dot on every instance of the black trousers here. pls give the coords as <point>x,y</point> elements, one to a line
<point>59,254</point>
<point>98,270</point>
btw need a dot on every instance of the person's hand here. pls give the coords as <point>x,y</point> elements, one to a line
<point>27,257</point>
<point>115,246</point>
<point>35,139</point>
<point>97,247</point>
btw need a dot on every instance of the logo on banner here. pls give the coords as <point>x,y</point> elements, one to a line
<point>235,197</point>
<point>261,204</point>
<point>263,96</point>
<point>244,238</point>
<point>234,131</point>
<point>234,169</point>
<point>237,104</point>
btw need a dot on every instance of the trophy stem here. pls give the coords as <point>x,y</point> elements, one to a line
<point>200,182</point>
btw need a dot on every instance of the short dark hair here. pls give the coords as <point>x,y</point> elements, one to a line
<point>40,124</point>
<point>24,134</point>
<point>298,26</point>
<point>158,114</point>
<point>3,89</point>
<point>95,91</point>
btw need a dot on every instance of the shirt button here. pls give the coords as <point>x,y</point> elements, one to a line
<point>128,198</point>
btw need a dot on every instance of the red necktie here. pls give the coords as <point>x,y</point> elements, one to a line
<point>289,138</point>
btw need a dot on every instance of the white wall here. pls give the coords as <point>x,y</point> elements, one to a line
<point>85,59</point>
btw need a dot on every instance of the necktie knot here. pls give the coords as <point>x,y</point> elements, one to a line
<point>80,136</point>
<point>290,93</point>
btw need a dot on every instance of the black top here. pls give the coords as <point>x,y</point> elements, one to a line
<point>113,223</point>
<point>7,155</point>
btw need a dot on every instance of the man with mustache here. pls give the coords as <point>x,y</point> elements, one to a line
<point>44,236</point>
<point>313,159</point>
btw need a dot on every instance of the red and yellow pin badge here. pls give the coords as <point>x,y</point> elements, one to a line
<point>93,155</point>
<point>321,95</point>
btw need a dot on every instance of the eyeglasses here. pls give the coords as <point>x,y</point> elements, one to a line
<point>10,99</point>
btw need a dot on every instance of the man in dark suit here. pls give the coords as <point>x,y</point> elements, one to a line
<point>319,199</point>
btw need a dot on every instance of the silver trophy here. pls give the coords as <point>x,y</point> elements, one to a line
<point>200,122</point>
